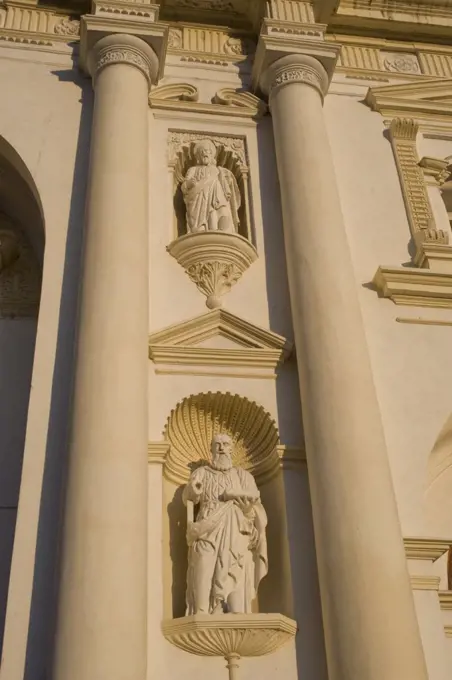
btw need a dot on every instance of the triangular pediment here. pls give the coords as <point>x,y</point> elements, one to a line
<point>424,99</point>
<point>218,339</point>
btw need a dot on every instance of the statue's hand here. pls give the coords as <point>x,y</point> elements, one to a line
<point>245,504</point>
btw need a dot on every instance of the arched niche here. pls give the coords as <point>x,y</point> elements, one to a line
<point>188,432</point>
<point>21,256</point>
<point>231,153</point>
<point>438,494</point>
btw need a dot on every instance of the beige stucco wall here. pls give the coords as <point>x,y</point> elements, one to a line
<point>41,118</point>
<point>46,118</point>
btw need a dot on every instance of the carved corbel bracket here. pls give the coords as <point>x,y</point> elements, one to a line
<point>231,636</point>
<point>214,261</point>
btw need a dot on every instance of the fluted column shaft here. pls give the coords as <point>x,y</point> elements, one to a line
<point>370,623</point>
<point>101,627</point>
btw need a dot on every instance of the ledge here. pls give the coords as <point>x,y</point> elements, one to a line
<point>230,635</point>
<point>445,600</point>
<point>414,287</point>
<point>419,548</point>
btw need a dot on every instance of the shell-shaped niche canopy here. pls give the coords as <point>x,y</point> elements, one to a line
<point>197,418</point>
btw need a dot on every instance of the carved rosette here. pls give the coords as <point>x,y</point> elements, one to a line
<point>214,261</point>
<point>230,635</point>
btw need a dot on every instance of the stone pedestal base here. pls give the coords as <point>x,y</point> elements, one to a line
<point>230,635</point>
<point>214,260</point>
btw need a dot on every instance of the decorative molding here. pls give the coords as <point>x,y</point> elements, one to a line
<point>300,73</point>
<point>448,630</point>
<point>214,261</point>
<point>403,133</point>
<point>415,287</point>
<point>425,582</point>
<point>255,348</point>
<point>445,600</point>
<point>183,92</point>
<point>36,27</point>
<point>158,452</point>
<point>431,549</point>
<point>232,98</point>
<point>227,101</point>
<point>122,55</point>
<point>423,322</point>
<point>231,636</point>
<point>400,17</point>
<point>197,418</point>
<point>427,101</point>
<point>211,45</point>
<point>436,170</point>
<point>127,8</point>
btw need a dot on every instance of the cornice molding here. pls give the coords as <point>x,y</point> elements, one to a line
<point>445,600</point>
<point>422,548</point>
<point>415,287</point>
<point>256,348</point>
<point>425,582</point>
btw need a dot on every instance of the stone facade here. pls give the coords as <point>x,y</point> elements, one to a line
<point>225,220</point>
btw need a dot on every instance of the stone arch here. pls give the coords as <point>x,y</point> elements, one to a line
<point>21,255</point>
<point>188,432</point>
<point>438,494</point>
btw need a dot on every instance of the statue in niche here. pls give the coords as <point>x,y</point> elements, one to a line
<point>211,193</point>
<point>227,544</point>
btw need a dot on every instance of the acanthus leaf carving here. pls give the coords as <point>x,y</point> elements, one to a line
<point>69,27</point>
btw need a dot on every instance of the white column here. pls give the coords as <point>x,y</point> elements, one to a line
<point>101,627</point>
<point>370,623</point>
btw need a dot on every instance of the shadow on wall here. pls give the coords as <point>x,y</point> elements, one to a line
<point>438,494</point>
<point>310,645</point>
<point>20,213</point>
<point>46,575</point>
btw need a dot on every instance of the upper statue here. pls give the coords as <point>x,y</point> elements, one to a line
<point>227,555</point>
<point>211,193</point>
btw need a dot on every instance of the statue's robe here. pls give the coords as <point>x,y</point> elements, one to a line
<point>231,547</point>
<point>208,188</point>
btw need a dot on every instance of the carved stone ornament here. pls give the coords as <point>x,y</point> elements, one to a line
<point>69,27</point>
<point>123,49</point>
<point>214,261</point>
<point>231,518</point>
<point>212,211</point>
<point>198,418</point>
<point>230,635</point>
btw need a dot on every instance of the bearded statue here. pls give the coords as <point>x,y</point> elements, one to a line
<point>227,548</point>
<point>211,194</point>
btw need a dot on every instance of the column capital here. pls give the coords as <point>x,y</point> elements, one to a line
<point>123,49</point>
<point>271,49</point>
<point>295,68</point>
<point>150,35</point>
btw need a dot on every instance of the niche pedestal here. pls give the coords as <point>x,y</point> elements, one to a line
<point>231,636</point>
<point>214,261</point>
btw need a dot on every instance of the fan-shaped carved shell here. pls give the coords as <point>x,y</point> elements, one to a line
<point>196,419</point>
